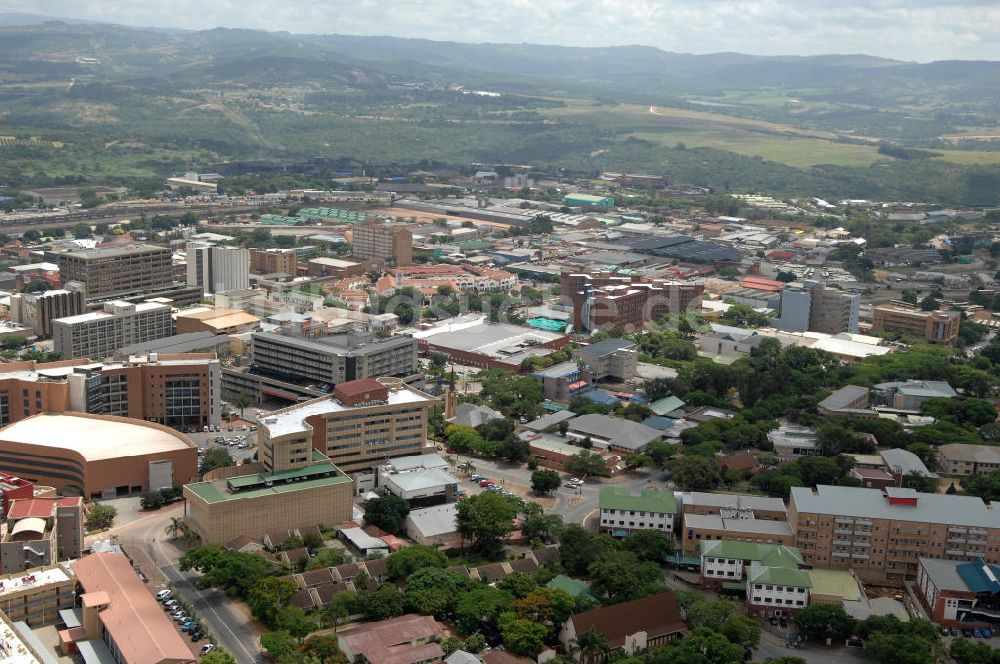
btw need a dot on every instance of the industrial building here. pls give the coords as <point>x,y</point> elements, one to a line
<point>99,334</point>
<point>117,271</point>
<point>217,269</point>
<point>97,456</point>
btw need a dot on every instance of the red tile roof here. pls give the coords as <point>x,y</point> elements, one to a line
<point>657,615</point>
<point>41,508</point>
<point>389,641</point>
<point>356,387</point>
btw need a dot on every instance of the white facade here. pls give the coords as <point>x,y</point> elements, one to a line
<point>630,520</point>
<point>777,597</point>
<point>217,269</point>
<point>725,569</point>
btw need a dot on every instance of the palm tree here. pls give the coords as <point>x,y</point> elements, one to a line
<point>241,401</point>
<point>592,646</point>
<point>175,527</point>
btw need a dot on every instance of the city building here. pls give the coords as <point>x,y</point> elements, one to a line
<point>420,488</point>
<point>325,266</point>
<point>176,390</point>
<point>377,242</point>
<point>848,401</point>
<point>274,261</point>
<point>833,311</point>
<point>733,506</point>
<point>39,309</point>
<point>613,433</point>
<point>36,596</point>
<point>216,321</point>
<point>122,621</point>
<point>563,382</point>
<point>40,532</point>
<point>100,333</point>
<point>611,359</point>
<point>433,525</point>
<point>622,513</point>
<point>965,460</point>
<point>334,359</point>
<point>708,527</point>
<point>610,300</point>
<point>730,565</point>
<point>118,271</point>
<point>361,426</point>
<point>880,534</point>
<point>959,594</point>
<point>97,456</point>
<point>630,626</point>
<point>776,591</point>
<point>409,639</point>
<point>934,327</point>
<point>14,488</point>
<point>603,203</point>
<point>492,345</point>
<point>217,269</point>
<point>792,442</point>
<point>911,394</point>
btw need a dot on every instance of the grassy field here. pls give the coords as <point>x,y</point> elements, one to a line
<point>799,148</point>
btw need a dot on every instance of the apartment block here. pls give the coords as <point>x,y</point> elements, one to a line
<point>361,426</point>
<point>40,532</point>
<point>333,359</point>
<point>608,300</point>
<point>181,390</point>
<point>37,595</point>
<point>833,311</point>
<point>881,534</point>
<point>733,506</point>
<point>39,309</point>
<point>623,514</point>
<point>272,261</point>
<point>934,327</point>
<point>99,334</point>
<point>380,243</point>
<point>217,269</point>
<point>965,460</point>
<point>118,271</point>
<point>711,527</point>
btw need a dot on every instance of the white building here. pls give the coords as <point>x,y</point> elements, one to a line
<point>99,334</point>
<point>217,269</point>
<point>776,591</point>
<point>622,513</point>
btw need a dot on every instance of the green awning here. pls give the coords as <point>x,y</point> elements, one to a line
<point>734,585</point>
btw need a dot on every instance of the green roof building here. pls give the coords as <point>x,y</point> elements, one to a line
<point>769,573</point>
<point>573,587</point>
<point>623,513</point>
<point>586,200</point>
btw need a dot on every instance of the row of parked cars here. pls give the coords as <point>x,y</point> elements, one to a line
<point>983,633</point>
<point>489,484</point>
<point>188,624</point>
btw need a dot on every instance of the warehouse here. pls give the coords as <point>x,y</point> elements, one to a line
<point>99,456</point>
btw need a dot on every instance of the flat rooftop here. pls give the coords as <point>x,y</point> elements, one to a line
<point>30,580</point>
<point>116,252</point>
<point>140,308</point>
<point>282,482</point>
<point>872,504</point>
<point>95,437</point>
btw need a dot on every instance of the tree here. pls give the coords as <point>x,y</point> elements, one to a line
<point>578,549</point>
<point>324,649</point>
<point>241,401</point>
<point>82,231</point>
<point>513,449</point>
<point>649,545</point>
<point>592,646</point>
<point>268,596</point>
<point>898,649</point>
<point>522,636</point>
<point>175,527</point>
<point>486,520</point>
<point>986,487</point>
<point>101,517</point>
<point>537,525</point>
<point>218,656</point>
<point>278,644</point>
<point>635,461</point>
<point>294,620</point>
<point>152,500</point>
<point>387,512</point>
<point>480,608</point>
<point>37,286</point>
<point>695,473</point>
<point>235,572</point>
<point>217,457</point>
<point>339,608</point>
<point>586,464</point>
<point>401,564</point>
<point>818,622</point>
<point>620,576</point>
<point>545,481</point>
<point>386,602</point>
<point>517,584</point>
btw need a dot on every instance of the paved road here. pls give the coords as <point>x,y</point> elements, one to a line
<point>228,623</point>
<point>813,655</point>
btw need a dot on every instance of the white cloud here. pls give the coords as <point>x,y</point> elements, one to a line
<point>919,30</point>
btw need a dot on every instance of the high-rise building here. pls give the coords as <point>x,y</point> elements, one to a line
<point>833,311</point>
<point>39,309</point>
<point>606,299</point>
<point>934,327</point>
<point>118,271</point>
<point>98,334</point>
<point>380,243</point>
<point>217,268</point>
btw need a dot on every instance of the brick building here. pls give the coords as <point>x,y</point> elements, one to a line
<point>608,300</point>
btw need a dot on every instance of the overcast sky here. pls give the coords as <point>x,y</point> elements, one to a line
<point>920,30</point>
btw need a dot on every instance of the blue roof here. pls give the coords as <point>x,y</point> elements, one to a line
<point>659,423</point>
<point>979,576</point>
<point>600,396</point>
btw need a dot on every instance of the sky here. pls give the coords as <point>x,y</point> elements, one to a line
<point>915,30</point>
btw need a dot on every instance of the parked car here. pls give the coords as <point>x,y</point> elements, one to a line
<point>977,633</point>
<point>163,595</point>
<point>207,648</point>
<point>197,636</point>
<point>967,633</point>
<point>953,631</point>
<point>987,634</point>
<point>189,626</point>
<point>855,642</point>
<point>170,604</point>
<point>484,482</point>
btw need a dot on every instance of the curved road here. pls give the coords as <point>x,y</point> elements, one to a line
<point>225,619</point>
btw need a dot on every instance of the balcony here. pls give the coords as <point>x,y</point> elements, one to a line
<point>863,533</point>
<point>843,531</point>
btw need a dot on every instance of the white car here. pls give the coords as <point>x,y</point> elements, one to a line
<point>207,648</point>
<point>163,595</point>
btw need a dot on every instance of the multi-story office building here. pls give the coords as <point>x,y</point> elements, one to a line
<point>834,311</point>
<point>361,426</point>
<point>39,309</point>
<point>934,327</point>
<point>607,299</point>
<point>623,514</point>
<point>614,359</point>
<point>881,534</point>
<point>40,532</point>
<point>99,334</point>
<point>217,268</point>
<point>182,391</point>
<point>272,261</point>
<point>333,359</point>
<point>37,595</point>
<point>118,271</point>
<point>378,242</point>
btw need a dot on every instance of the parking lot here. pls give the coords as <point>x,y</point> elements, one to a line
<point>241,444</point>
